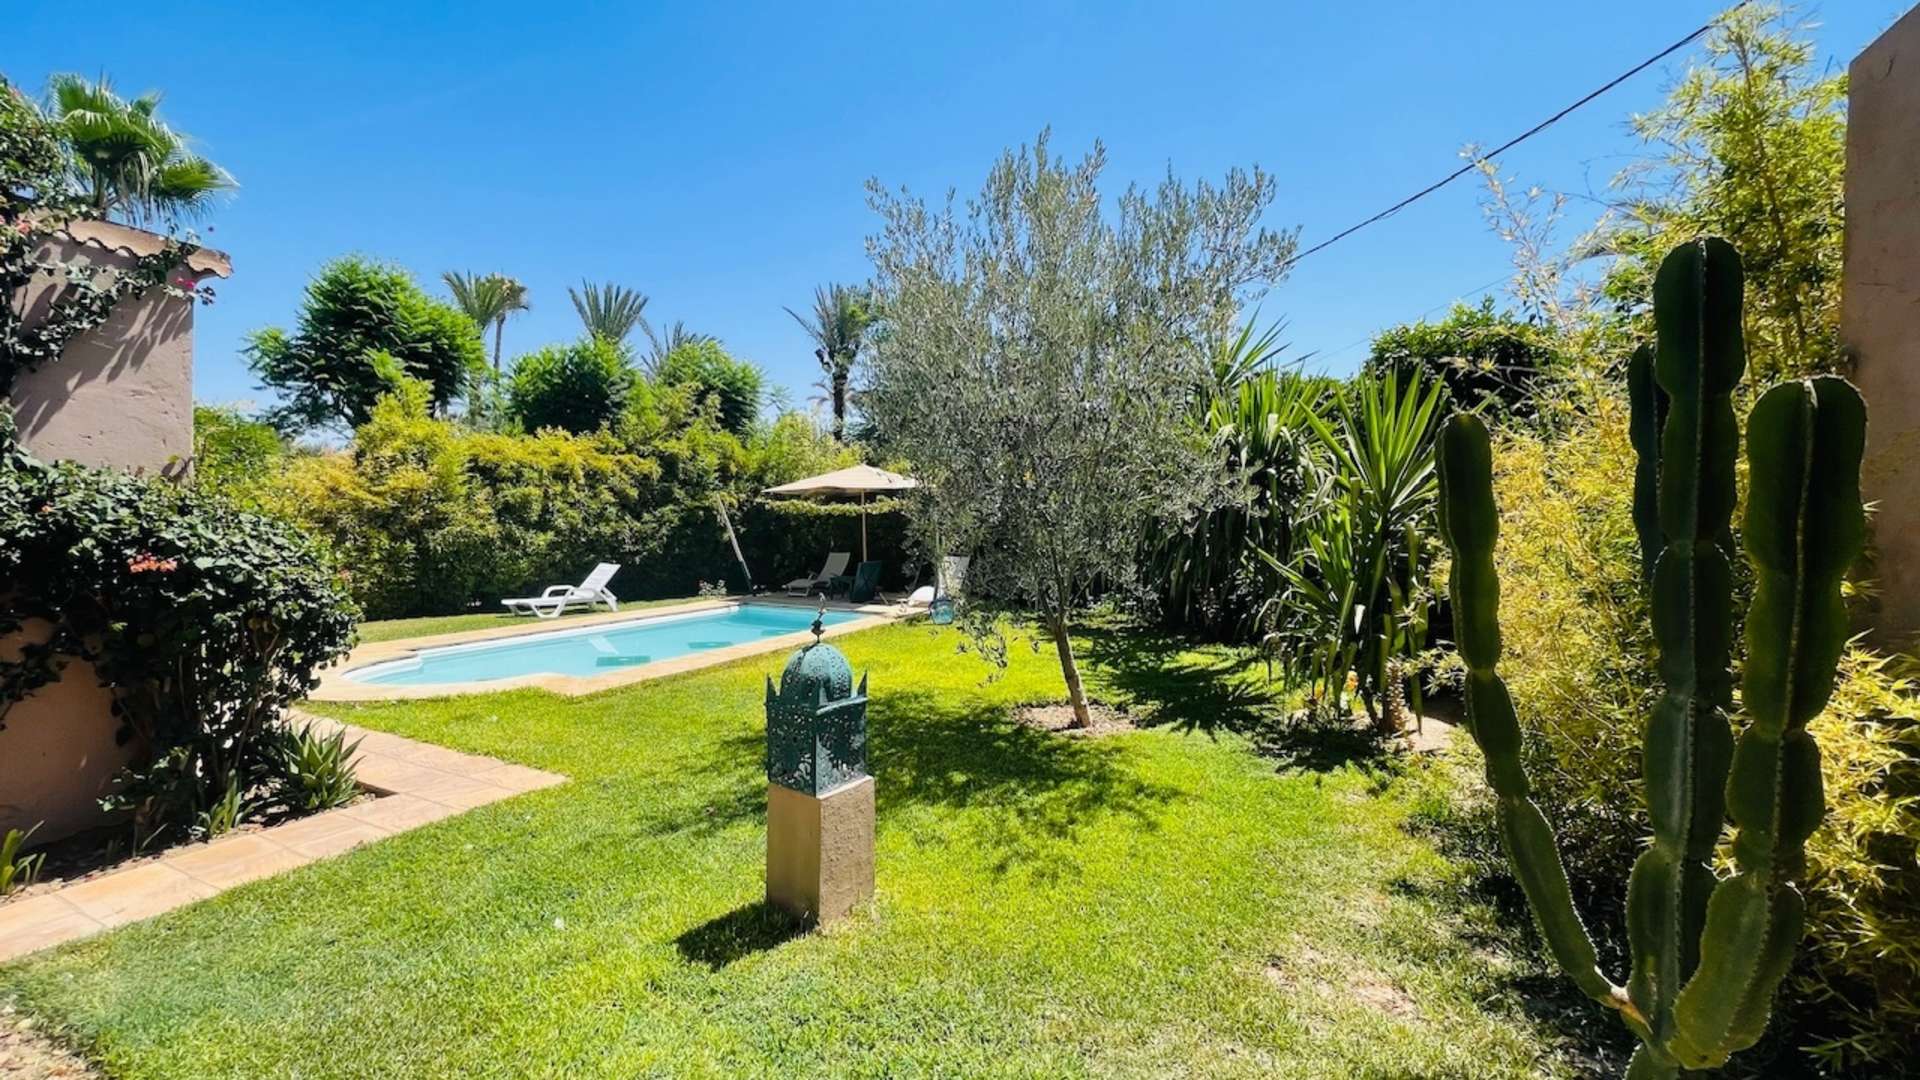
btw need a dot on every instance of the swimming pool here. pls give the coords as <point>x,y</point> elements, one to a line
<point>598,649</point>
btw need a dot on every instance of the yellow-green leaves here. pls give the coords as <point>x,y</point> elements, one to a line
<point>1470,523</point>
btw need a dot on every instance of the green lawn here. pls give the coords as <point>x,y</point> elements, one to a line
<point>1164,902</point>
<point>427,625</point>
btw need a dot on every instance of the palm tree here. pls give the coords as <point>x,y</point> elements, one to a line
<point>609,311</point>
<point>487,299</point>
<point>662,344</point>
<point>125,158</point>
<point>840,317</point>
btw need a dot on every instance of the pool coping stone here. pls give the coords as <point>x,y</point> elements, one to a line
<point>335,686</point>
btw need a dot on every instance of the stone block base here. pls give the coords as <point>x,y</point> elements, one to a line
<point>820,849</point>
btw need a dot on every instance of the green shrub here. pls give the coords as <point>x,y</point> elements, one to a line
<point>232,454</point>
<point>431,517</point>
<point>580,388</point>
<point>1578,656</point>
<point>357,320</point>
<point>1480,355</point>
<point>203,620</point>
<point>736,385</point>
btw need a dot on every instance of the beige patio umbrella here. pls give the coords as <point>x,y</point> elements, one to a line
<point>860,480</point>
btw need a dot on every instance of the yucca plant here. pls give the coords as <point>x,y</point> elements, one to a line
<point>1210,574</point>
<point>17,871</point>
<point>1360,576</point>
<point>1707,952</point>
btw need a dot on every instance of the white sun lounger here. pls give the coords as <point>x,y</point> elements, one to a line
<point>952,575</point>
<point>558,598</point>
<point>836,565</point>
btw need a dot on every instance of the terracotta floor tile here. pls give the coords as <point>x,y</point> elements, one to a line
<point>236,860</point>
<point>440,757</point>
<point>132,895</point>
<point>429,783</point>
<point>397,813</point>
<point>395,775</point>
<point>31,925</point>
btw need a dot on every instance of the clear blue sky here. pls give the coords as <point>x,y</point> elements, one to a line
<point>715,159</point>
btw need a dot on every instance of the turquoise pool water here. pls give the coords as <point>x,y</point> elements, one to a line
<point>595,650</point>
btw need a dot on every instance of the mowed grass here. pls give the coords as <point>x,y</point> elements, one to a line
<point>428,625</point>
<point>1161,902</point>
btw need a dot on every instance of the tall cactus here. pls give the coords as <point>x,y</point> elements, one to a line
<point>1707,954</point>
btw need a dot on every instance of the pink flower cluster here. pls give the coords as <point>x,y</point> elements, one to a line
<point>146,562</point>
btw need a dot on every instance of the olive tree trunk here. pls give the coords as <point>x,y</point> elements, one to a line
<point>1070,670</point>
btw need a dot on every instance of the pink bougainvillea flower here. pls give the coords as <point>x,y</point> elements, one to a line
<point>145,562</point>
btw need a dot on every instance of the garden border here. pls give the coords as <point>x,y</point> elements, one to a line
<point>418,783</point>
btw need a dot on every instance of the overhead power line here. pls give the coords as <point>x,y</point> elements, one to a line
<point>1518,139</point>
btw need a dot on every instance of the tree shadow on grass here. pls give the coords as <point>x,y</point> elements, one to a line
<point>1033,791</point>
<point>748,929</point>
<point>1466,837</point>
<point>1177,683</point>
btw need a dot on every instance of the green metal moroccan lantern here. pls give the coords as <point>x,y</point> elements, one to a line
<point>816,721</point>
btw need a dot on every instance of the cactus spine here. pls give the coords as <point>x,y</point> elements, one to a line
<point>1707,955</point>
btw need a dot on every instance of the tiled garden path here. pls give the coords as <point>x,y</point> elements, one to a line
<point>418,783</point>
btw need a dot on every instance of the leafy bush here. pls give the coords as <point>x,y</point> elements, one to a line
<point>579,388</point>
<point>357,320</point>
<point>314,772</point>
<point>1480,355</point>
<point>736,385</point>
<point>203,620</point>
<point>430,516</point>
<point>1580,659</point>
<point>231,453</point>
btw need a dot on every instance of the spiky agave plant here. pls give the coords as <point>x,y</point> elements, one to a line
<point>1707,952</point>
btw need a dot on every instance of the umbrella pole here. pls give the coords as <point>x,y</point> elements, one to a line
<point>863,526</point>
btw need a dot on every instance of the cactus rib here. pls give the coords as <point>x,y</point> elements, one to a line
<point>1469,524</point>
<point>1698,360</point>
<point>1804,527</point>
<point>1649,415</point>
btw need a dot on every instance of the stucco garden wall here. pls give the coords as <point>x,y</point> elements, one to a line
<point>1880,313</point>
<point>121,396</point>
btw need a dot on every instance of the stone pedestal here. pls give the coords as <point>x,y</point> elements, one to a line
<point>820,849</point>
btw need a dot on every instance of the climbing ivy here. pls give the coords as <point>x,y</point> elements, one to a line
<point>36,207</point>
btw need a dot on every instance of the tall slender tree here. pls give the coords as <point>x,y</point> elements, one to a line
<point>125,159</point>
<point>838,325</point>
<point>609,311</point>
<point>489,300</point>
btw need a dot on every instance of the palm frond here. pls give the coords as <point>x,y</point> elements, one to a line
<point>125,158</point>
<point>609,311</point>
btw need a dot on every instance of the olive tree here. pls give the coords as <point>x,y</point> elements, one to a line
<point>1036,358</point>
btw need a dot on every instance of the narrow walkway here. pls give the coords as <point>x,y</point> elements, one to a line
<point>418,783</point>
